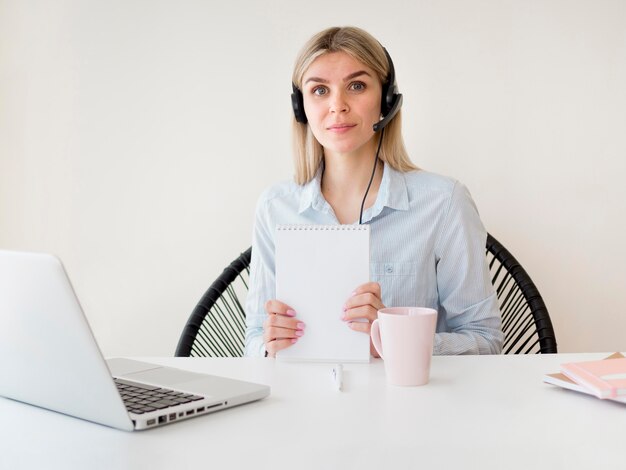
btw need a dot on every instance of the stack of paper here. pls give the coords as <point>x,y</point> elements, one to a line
<point>317,269</point>
<point>605,379</point>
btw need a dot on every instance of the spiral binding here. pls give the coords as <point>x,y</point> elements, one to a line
<point>332,228</point>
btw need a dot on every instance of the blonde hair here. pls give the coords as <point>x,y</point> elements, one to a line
<point>308,152</point>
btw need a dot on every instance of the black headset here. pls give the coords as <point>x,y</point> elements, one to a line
<point>390,102</point>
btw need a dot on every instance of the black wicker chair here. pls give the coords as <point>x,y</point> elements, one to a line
<point>216,327</point>
<point>525,320</point>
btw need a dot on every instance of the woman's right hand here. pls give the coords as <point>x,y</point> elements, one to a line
<point>281,328</point>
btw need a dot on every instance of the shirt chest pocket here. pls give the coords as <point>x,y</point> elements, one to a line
<point>398,283</point>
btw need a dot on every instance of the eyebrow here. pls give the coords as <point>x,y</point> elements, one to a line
<point>348,77</point>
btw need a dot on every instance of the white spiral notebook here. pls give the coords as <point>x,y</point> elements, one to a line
<point>317,268</point>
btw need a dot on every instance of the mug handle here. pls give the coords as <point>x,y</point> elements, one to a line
<point>375,335</point>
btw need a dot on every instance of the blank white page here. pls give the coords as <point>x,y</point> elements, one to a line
<point>317,268</point>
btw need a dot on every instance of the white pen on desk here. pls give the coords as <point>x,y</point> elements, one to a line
<point>338,377</point>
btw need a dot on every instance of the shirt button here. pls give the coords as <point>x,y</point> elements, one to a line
<point>389,268</point>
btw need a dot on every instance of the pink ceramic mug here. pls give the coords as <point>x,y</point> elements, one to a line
<point>403,336</point>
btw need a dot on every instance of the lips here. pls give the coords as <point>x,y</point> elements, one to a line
<point>340,127</point>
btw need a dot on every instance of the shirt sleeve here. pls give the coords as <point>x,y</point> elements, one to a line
<point>262,283</point>
<point>467,298</point>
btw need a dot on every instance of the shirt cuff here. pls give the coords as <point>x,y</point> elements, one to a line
<point>255,347</point>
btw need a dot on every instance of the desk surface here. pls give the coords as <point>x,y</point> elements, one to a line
<point>476,412</point>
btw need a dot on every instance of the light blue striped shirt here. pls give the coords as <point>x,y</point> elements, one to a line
<point>427,249</point>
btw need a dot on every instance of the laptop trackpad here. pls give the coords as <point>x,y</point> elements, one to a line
<point>163,376</point>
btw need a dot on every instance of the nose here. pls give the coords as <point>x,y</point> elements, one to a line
<point>338,103</point>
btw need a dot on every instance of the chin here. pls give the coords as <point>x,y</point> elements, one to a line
<point>347,148</point>
<point>343,145</point>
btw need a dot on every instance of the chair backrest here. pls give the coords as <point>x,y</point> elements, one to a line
<point>525,320</point>
<point>216,327</point>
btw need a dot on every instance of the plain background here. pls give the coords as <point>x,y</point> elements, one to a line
<point>136,137</point>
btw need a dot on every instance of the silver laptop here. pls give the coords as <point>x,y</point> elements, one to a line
<point>50,358</point>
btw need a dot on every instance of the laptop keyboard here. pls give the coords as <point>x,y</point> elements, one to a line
<point>142,398</point>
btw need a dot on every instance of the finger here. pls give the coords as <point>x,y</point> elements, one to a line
<point>373,287</point>
<point>364,312</point>
<point>281,321</point>
<point>277,307</point>
<point>362,326</point>
<point>273,347</point>
<point>361,300</point>
<point>272,334</point>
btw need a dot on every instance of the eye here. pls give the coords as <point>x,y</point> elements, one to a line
<point>357,86</point>
<point>319,90</point>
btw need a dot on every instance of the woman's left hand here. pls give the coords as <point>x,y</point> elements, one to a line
<point>364,303</point>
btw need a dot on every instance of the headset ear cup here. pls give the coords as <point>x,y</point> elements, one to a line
<point>388,99</point>
<point>297,103</point>
<point>391,102</point>
<point>390,95</point>
<point>384,104</point>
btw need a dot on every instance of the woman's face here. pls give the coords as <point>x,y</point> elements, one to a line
<point>342,102</point>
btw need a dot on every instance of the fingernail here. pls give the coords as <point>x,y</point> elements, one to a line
<point>345,309</point>
<point>291,313</point>
<point>353,294</point>
<point>295,340</point>
<point>344,318</point>
<point>299,333</point>
<point>300,326</point>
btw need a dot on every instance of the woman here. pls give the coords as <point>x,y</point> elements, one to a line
<point>427,240</point>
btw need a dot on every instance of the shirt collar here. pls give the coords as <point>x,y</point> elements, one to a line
<point>311,195</point>
<point>392,193</point>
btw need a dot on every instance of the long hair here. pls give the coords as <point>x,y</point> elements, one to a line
<point>308,152</point>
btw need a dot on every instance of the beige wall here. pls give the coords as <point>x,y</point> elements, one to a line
<point>135,137</point>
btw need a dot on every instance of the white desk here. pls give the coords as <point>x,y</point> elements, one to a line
<point>490,412</point>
